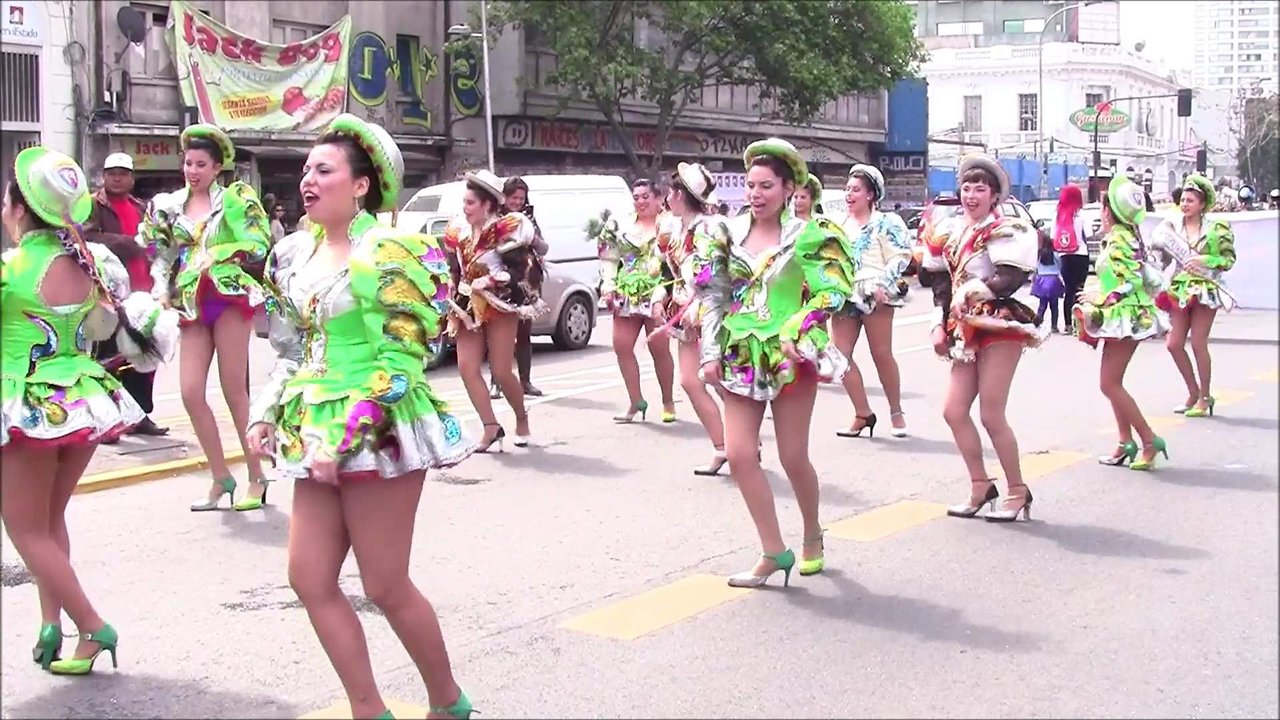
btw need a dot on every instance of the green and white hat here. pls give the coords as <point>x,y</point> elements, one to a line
<point>53,185</point>
<point>388,162</point>
<point>814,185</point>
<point>1201,184</point>
<point>781,149</point>
<point>213,133</point>
<point>872,175</point>
<point>1127,199</point>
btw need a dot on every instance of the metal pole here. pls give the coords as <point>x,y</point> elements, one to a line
<point>488,103</point>
<point>1041,155</point>
<point>1097,160</point>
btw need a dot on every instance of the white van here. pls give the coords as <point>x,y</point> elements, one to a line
<point>563,205</point>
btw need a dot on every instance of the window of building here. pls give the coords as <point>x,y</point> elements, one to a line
<point>1253,34</point>
<point>973,113</point>
<point>159,60</point>
<point>1254,11</point>
<point>1221,35</point>
<point>1028,112</point>
<point>285,32</point>
<point>1219,24</point>
<point>1224,69</point>
<point>1250,57</point>
<point>1092,99</point>
<point>959,28</point>
<point>1225,57</point>
<point>1250,68</point>
<point>1222,81</point>
<point>1028,25</point>
<point>1249,23</point>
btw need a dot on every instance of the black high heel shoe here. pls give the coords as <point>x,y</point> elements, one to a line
<point>499,437</point>
<point>868,424</point>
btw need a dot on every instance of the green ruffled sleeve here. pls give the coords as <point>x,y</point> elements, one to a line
<point>1117,270</point>
<point>607,247</point>
<point>825,256</point>
<point>155,232</point>
<point>244,233</point>
<point>1221,246</point>
<point>711,282</point>
<point>402,283</point>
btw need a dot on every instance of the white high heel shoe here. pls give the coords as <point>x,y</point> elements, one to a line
<point>898,432</point>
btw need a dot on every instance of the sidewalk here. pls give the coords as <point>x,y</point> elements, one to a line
<point>140,457</point>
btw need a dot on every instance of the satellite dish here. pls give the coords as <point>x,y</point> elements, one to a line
<point>133,24</point>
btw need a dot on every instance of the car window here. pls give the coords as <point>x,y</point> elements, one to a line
<point>424,203</point>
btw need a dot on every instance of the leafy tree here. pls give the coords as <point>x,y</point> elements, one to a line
<point>798,54</point>
<point>1258,151</point>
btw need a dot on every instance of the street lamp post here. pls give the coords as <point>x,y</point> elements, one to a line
<point>1041,155</point>
<point>465,31</point>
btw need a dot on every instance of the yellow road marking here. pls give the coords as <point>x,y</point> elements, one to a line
<point>1037,465</point>
<point>1230,397</point>
<point>885,521</point>
<point>653,610</point>
<point>140,473</point>
<point>341,710</point>
<point>1270,376</point>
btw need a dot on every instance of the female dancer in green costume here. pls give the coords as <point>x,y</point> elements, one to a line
<point>1119,306</point>
<point>1204,250</point>
<point>767,282</point>
<point>348,413</point>
<point>59,295</point>
<point>207,240</point>
<point>630,270</point>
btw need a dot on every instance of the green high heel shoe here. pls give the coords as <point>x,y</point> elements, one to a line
<point>386,715</point>
<point>784,561</point>
<point>106,638</point>
<point>460,709</point>
<point>641,407</point>
<point>1207,410</point>
<point>253,503</point>
<point>49,647</point>
<point>228,488</point>
<point>1143,464</point>
<point>813,566</point>
<point>1125,453</point>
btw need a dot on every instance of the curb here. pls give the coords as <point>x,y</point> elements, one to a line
<point>145,473</point>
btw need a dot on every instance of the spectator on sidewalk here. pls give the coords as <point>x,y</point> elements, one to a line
<point>277,223</point>
<point>114,223</point>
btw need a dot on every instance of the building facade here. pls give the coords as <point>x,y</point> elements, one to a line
<point>37,105</point>
<point>1237,45</point>
<point>987,23</point>
<point>989,97</point>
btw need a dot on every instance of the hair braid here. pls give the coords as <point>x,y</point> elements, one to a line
<point>73,243</point>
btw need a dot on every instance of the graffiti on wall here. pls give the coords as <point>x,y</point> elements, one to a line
<point>374,66</point>
<point>464,74</point>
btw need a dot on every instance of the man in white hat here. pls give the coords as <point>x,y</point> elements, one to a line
<point>114,222</point>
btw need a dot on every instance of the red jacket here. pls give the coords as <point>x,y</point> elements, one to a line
<point>104,227</point>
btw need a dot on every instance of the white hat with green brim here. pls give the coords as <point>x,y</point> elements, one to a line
<point>872,175</point>
<point>388,162</point>
<point>781,149</point>
<point>53,185</point>
<point>697,180</point>
<point>1127,200</point>
<point>814,186</point>
<point>214,134</point>
<point>1201,184</point>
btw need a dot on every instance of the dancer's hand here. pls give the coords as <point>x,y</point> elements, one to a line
<point>789,350</point>
<point>880,295</point>
<point>710,373</point>
<point>938,336</point>
<point>261,440</point>
<point>1196,265</point>
<point>163,299</point>
<point>611,301</point>
<point>324,468</point>
<point>656,312</point>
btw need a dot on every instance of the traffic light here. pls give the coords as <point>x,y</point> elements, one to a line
<point>1184,102</point>
<point>1202,159</point>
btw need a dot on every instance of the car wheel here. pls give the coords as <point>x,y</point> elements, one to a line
<point>573,329</point>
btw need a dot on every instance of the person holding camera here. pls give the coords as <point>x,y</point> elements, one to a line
<point>516,191</point>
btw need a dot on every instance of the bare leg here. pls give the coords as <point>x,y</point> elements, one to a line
<point>996,365</point>
<point>380,517</point>
<point>961,393</point>
<point>500,337</point>
<point>318,544</point>
<point>1176,341</point>
<point>471,351</point>
<point>27,479</point>
<point>792,416</point>
<point>231,339</point>
<point>625,332</point>
<point>663,365</point>
<point>742,418</point>
<point>195,353</point>
<point>70,468</point>
<point>704,406</point>
<point>1116,355</point>
<point>1201,323</point>
<point>879,326</point>
<point>844,332</point>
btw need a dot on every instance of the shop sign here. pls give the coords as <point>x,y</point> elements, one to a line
<point>1109,121</point>
<point>237,81</point>
<point>23,22</point>
<point>150,154</point>
<point>906,178</point>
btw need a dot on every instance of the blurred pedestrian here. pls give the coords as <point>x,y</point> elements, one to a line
<point>1072,249</point>
<point>516,192</point>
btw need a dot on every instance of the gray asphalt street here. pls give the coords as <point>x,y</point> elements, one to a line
<point>583,577</point>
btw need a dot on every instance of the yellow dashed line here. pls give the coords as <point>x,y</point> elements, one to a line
<point>1037,465</point>
<point>1230,397</point>
<point>653,610</point>
<point>885,521</point>
<point>342,711</point>
<point>1270,376</point>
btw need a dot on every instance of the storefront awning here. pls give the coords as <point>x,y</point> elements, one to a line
<point>255,140</point>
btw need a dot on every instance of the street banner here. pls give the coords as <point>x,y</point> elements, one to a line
<point>237,82</point>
